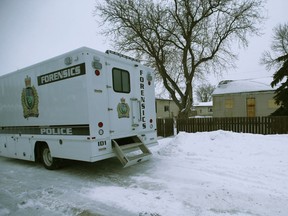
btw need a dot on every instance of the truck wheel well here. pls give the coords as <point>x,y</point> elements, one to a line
<point>38,149</point>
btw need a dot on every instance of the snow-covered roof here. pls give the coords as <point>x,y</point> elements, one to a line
<point>204,104</point>
<point>247,85</point>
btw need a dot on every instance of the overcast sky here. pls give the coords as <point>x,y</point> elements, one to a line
<point>35,30</point>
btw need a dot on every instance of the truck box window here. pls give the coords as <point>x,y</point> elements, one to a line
<point>121,80</point>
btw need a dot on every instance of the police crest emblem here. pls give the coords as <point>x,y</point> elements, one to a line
<point>123,109</point>
<point>29,100</point>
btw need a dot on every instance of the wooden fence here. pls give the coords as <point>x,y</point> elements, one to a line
<point>165,127</point>
<point>256,125</point>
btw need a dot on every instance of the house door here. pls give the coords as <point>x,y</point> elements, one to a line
<point>250,107</point>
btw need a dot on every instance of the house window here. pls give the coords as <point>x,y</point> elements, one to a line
<point>121,80</point>
<point>228,103</point>
<point>166,108</point>
<point>210,110</point>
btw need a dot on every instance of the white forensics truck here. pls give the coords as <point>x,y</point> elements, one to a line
<point>83,105</point>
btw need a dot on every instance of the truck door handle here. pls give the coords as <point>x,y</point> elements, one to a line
<point>139,104</point>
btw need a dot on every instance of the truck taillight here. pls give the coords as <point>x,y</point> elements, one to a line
<point>97,72</point>
<point>101,131</point>
<point>151,123</point>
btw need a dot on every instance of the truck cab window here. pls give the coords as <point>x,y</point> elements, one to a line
<point>121,80</point>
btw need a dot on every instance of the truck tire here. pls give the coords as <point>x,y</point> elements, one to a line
<point>49,162</point>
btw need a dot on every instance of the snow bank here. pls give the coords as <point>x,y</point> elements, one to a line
<point>231,173</point>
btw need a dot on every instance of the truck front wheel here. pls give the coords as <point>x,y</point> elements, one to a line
<point>49,162</point>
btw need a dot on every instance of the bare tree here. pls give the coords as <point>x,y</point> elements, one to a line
<point>181,38</point>
<point>278,59</point>
<point>204,92</point>
<point>279,47</point>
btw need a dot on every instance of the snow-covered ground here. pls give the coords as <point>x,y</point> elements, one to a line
<point>210,173</point>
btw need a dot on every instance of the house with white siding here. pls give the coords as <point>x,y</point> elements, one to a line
<point>203,108</point>
<point>166,108</point>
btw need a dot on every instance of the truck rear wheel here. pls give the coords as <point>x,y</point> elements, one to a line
<point>49,162</point>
